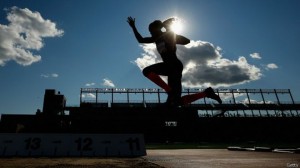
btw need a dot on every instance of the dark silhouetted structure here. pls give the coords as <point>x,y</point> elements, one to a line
<point>266,115</point>
<point>54,103</point>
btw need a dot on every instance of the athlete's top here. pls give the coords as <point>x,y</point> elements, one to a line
<point>166,46</point>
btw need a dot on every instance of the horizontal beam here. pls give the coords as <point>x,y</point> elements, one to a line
<point>153,90</point>
<point>226,107</point>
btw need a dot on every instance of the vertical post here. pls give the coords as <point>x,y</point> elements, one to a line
<point>277,96</point>
<point>259,113</point>
<point>80,95</point>
<point>207,113</point>
<point>245,115</point>
<point>282,112</point>
<point>249,99</point>
<point>262,95</point>
<point>264,101</point>
<point>158,96</point>
<point>237,114</point>
<point>252,113</point>
<point>233,96</point>
<point>112,95</point>
<point>234,102</point>
<point>96,91</point>
<point>217,92</point>
<point>143,92</point>
<point>291,96</point>
<point>127,91</point>
<point>248,96</point>
<point>293,101</point>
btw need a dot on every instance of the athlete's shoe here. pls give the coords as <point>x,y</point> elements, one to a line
<point>210,93</point>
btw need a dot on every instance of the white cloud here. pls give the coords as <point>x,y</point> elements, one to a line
<point>23,35</point>
<point>90,84</point>
<point>88,95</point>
<point>252,101</point>
<point>53,75</point>
<point>204,65</point>
<point>107,82</point>
<point>255,56</point>
<point>271,66</point>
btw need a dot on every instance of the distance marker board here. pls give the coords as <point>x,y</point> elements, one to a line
<point>23,144</point>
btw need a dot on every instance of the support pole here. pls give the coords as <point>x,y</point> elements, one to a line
<point>277,96</point>
<point>262,95</point>
<point>112,95</point>
<point>158,96</point>
<point>127,92</point>
<point>291,96</point>
<point>293,101</point>
<point>96,92</point>
<point>143,92</point>
<point>80,95</point>
<point>233,96</point>
<point>248,96</point>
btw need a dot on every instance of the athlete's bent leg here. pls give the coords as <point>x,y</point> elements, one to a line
<point>157,80</point>
<point>154,77</point>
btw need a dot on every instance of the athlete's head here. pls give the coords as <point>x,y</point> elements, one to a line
<point>155,26</point>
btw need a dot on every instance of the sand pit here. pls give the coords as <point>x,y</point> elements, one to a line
<point>76,163</point>
<point>182,158</point>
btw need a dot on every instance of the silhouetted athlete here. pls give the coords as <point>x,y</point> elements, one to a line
<point>171,65</point>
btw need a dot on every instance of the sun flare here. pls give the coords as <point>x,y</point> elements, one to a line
<point>177,26</point>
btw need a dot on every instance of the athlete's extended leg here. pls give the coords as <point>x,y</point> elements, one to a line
<point>209,92</point>
<point>187,99</point>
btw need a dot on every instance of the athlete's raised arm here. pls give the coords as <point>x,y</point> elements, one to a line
<point>140,39</point>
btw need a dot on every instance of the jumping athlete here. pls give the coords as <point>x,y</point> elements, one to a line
<point>170,66</point>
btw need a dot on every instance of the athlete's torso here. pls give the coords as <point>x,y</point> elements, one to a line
<point>166,46</point>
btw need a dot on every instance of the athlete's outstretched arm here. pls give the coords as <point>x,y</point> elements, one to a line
<point>182,40</point>
<point>138,36</point>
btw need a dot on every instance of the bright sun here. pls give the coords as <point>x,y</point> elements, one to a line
<point>177,26</point>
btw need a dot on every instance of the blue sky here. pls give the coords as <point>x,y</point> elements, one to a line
<point>70,45</point>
